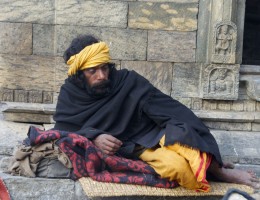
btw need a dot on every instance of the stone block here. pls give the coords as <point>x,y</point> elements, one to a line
<point>124,44</point>
<point>209,105</point>
<point>159,74</point>
<point>242,95</point>
<point>11,135</point>
<point>92,13</point>
<point>35,96</point>
<point>255,126</point>
<point>4,163</point>
<point>27,72</point>
<point>36,11</point>
<point>43,39</point>
<point>220,81</point>
<point>39,188</point>
<point>171,46</point>
<point>196,104</point>
<point>185,101</point>
<point>28,117</point>
<point>242,145</point>
<point>185,80</point>
<point>225,116</point>
<point>175,16</point>
<point>223,105</point>
<point>20,96</point>
<point>229,126</point>
<point>249,105</point>
<point>15,38</point>
<point>237,105</point>
<point>6,95</point>
<point>257,106</point>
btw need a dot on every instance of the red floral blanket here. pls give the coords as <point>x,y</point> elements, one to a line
<point>89,161</point>
<point>4,194</point>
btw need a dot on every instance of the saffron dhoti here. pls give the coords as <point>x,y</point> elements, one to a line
<point>185,165</point>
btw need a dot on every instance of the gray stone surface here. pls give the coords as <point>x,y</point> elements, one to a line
<point>239,146</point>
<point>164,16</point>
<point>34,108</point>
<point>185,74</point>
<point>12,134</point>
<point>124,44</point>
<point>36,11</point>
<point>15,38</point>
<point>230,126</point>
<point>28,117</point>
<point>43,39</point>
<point>226,116</point>
<point>223,105</point>
<point>158,73</point>
<point>255,126</point>
<point>237,105</point>
<point>249,105</point>
<point>171,46</point>
<point>27,72</point>
<point>21,188</point>
<point>92,13</point>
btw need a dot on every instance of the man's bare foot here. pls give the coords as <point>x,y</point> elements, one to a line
<point>228,165</point>
<point>234,175</point>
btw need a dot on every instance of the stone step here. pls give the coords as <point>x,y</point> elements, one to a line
<point>237,146</point>
<point>240,147</point>
<point>22,188</point>
<point>225,120</point>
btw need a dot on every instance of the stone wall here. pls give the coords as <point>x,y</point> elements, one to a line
<point>157,38</point>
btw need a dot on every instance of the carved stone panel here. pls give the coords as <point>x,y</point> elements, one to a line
<point>220,82</point>
<point>35,97</point>
<point>47,97</point>
<point>20,96</point>
<point>6,95</point>
<point>224,43</point>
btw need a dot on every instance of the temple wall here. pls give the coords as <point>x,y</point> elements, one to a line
<point>162,40</point>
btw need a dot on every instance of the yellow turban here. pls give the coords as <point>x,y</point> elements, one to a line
<point>90,56</point>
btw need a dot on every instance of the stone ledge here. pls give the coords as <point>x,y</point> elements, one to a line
<point>23,188</point>
<point>228,116</point>
<point>209,115</point>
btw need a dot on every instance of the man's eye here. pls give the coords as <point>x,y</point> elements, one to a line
<point>104,68</point>
<point>91,71</point>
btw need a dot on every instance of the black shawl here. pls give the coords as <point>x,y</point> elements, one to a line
<point>135,112</point>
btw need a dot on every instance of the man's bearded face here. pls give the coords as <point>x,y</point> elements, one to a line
<point>97,79</point>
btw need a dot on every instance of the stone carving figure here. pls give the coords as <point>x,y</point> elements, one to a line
<point>220,81</point>
<point>224,40</point>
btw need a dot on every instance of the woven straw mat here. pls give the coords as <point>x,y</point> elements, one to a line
<point>100,189</point>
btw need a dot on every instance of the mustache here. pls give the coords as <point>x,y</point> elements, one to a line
<point>101,85</point>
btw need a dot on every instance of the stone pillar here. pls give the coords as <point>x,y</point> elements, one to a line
<point>220,43</point>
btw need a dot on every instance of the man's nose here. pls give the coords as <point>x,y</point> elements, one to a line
<point>100,74</point>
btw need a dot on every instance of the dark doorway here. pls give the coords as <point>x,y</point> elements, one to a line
<point>251,46</point>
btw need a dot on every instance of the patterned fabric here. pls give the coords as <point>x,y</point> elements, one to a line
<point>4,194</point>
<point>89,161</point>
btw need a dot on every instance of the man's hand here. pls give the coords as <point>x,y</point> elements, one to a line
<point>107,143</point>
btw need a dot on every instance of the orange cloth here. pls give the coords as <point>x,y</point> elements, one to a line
<point>176,162</point>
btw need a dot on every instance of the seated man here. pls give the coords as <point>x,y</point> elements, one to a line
<point>124,114</point>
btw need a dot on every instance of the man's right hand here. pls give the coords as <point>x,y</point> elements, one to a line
<point>107,143</point>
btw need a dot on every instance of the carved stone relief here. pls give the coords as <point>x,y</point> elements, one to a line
<point>220,82</point>
<point>34,96</point>
<point>7,95</point>
<point>224,43</point>
<point>20,96</point>
<point>253,88</point>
